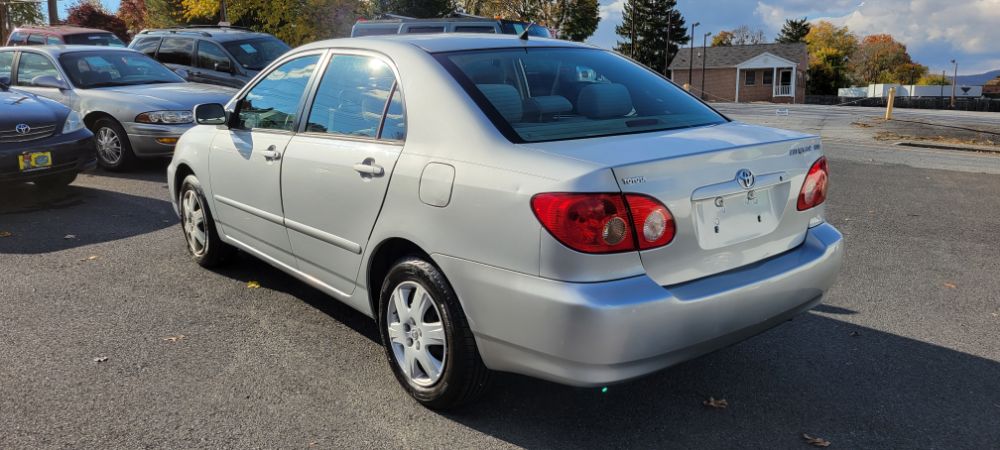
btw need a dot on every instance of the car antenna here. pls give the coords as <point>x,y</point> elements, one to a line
<point>524,34</point>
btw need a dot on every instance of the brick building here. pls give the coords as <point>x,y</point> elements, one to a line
<point>746,73</point>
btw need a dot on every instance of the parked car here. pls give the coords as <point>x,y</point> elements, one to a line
<point>40,139</point>
<point>63,35</point>
<point>461,23</point>
<point>226,56</point>
<point>135,106</point>
<point>540,207</point>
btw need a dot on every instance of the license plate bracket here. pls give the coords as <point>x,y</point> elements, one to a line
<point>734,218</point>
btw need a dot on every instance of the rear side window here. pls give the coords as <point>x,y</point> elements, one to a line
<point>421,30</point>
<point>52,40</point>
<point>16,38</point>
<point>374,31</point>
<point>470,29</point>
<point>547,94</point>
<point>273,103</point>
<point>351,97</point>
<point>101,39</point>
<point>6,64</point>
<point>176,51</point>
<point>394,126</point>
<point>32,66</point>
<point>36,39</point>
<point>146,46</point>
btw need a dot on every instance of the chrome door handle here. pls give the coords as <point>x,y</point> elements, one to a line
<point>368,168</point>
<point>271,154</point>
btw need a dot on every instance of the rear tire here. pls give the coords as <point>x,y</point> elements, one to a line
<point>57,181</point>
<point>203,241</point>
<point>424,329</point>
<point>114,151</point>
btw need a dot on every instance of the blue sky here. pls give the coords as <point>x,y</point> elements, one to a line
<point>935,31</point>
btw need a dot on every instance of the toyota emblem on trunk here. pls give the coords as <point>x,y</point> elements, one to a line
<point>22,128</point>
<point>745,178</point>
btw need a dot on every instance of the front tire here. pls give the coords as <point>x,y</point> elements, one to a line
<point>427,339</point>
<point>114,151</point>
<point>203,241</point>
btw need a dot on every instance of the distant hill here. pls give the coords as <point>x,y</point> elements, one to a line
<point>978,80</point>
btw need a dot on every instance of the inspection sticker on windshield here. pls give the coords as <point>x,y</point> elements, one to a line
<point>248,48</point>
<point>34,161</point>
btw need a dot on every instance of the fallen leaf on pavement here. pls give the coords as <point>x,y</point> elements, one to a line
<point>253,285</point>
<point>4,234</point>
<point>717,404</point>
<point>100,359</point>
<point>89,258</point>
<point>815,441</point>
<point>179,337</point>
<point>69,236</point>
<point>950,285</point>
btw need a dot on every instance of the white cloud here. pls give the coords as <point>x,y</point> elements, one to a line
<point>616,8</point>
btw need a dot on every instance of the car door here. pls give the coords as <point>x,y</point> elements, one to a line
<point>246,158</point>
<point>213,66</point>
<point>336,170</point>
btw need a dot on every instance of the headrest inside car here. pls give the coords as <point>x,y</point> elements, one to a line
<point>604,101</point>
<point>505,99</point>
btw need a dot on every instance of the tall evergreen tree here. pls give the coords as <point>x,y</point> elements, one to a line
<point>581,19</point>
<point>644,35</point>
<point>793,31</point>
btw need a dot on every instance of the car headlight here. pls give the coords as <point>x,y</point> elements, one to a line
<point>73,123</point>
<point>167,117</point>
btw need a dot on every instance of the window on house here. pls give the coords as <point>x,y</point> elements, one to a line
<point>768,77</point>
<point>751,77</point>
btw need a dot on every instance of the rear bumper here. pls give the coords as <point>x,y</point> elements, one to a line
<point>143,138</point>
<point>592,334</point>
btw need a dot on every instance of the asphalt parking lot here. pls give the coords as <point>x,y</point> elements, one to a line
<point>111,338</point>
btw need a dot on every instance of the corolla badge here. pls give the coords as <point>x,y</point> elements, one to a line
<point>745,178</point>
<point>22,128</point>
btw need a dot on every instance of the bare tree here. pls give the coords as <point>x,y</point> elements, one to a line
<point>744,35</point>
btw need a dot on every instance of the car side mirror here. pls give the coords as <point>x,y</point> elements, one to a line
<point>210,114</point>
<point>49,81</point>
<point>224,67</point>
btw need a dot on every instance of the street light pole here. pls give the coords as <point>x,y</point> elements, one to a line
<point>53,12</point>
<point>691,56</point>
<point>704,58</point>
<point>954,83</point>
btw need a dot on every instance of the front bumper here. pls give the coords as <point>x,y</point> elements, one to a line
<point>74,152</point>
<point>143,137</point>
<point>593,334</point>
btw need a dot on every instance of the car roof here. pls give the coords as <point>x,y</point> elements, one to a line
<point>400,20</point>
<point>56,50</point>
<point>61,30</point>
<point>442,42</point>
<point>220,34</point>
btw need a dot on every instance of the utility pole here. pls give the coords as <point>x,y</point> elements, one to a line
<point>954,83</point>
<point>704,58</point>
<point>666,51</point>
<point>53,12</point>
<point>223,15</point>
<point>3,22</point>
<point>691,56</point>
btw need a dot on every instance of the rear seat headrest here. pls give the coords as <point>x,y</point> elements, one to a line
<point>604,101</point>
<point>505,99</point>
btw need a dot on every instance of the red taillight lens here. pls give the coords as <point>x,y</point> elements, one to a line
<point>813,190</point>
<point>601,223</point>
<point>654,225</point>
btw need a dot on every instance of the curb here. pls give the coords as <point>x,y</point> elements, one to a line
<point>960,147</point>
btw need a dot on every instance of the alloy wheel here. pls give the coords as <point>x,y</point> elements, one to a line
<point>109,146</point>
<point>193,222</point>
<point>416,333</point>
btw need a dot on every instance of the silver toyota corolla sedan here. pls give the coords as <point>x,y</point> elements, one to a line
<point>136,107</point>
<point>540,207</point>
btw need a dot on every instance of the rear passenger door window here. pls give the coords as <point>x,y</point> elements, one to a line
<point>351,97</point>
<point>147,46</point>
<point>36,39</point>
<point>273,104</point>
<point>176,51</point>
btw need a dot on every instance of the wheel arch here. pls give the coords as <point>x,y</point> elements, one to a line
<point>385,254</point>
<point>182,172</point>
<point>93,116</point>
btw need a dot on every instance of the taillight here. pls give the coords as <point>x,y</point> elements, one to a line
<point>813,190</point>
<point>604,223</point>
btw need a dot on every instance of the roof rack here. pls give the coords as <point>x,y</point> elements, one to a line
<point>396,16</point>
<point>175,31</point>
<point>234,27</point>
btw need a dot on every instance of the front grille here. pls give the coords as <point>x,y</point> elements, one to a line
<point>39,132</point>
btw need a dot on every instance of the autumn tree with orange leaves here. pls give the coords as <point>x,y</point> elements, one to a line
<point>881,59</point>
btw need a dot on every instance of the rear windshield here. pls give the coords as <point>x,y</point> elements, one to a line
<point>104,39</point>
<point>548,94</point>
<point>256,54</point>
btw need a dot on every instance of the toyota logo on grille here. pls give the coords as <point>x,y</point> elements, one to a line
<point>745,178</point>
<point>22,128</point>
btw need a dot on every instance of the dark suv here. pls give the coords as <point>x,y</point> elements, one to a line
<point>63,35</point>
<point>227,56</point>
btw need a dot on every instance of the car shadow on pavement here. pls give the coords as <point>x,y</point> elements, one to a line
<point>853,386</point>
<point>143,170</point>
<point>35,220</point>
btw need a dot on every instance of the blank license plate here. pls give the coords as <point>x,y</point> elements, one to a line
<point>34,161</point>
<point>736,218</point>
